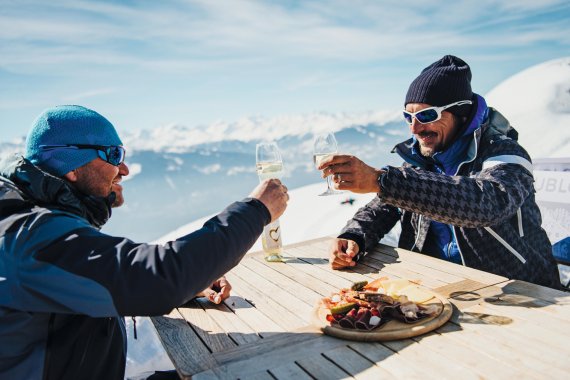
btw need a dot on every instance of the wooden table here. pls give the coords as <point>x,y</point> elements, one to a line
<point>500,329</point>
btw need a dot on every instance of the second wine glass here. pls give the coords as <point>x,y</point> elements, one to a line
<point>324,146</point>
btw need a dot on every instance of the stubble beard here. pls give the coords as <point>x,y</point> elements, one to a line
<point>426,152</point>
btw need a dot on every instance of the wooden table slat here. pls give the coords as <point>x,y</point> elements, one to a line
<point>430,262</point>
<point>392,361</point>
<point>291,307</point>
<point>507,351</point>
<point>208,330</point>
<point>271,353</point>
<point>251,316</point>
<point>230,322</point>
<point>289,371</point>
<point>271,308</point>
<point>191,355</point>
<point>434,362</point>
<point>433,273</point>
<point>479,362</point>
<point>320,367</point>
<point>355,364</point>
<point>294,271</point>
<point>271,273</point>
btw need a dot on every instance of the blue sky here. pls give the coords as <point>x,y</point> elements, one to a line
<point>145,64</point>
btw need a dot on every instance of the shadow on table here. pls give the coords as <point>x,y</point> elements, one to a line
<point>514,293</point>
<point>225,351</point>
<point>305,353</point>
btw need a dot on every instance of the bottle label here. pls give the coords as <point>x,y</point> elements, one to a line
<point>272,238</point>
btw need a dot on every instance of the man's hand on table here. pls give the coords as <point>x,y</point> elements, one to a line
<point>217,292</point>
<point>342,252</point>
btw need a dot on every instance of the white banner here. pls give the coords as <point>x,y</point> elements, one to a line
<point>552,186</point>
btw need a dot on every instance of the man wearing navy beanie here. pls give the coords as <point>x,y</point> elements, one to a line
<point>65,287</point>
<point>465,192</point>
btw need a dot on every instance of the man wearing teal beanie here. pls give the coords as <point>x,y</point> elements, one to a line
<point>68,125</point>
<point>65,287</point>
<point>65,138</point>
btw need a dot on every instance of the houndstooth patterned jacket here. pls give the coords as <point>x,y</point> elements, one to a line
<point>490,203</point>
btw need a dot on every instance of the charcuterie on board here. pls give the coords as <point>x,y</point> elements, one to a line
<point>382,309</point>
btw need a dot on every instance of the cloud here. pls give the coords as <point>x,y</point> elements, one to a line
<point>88,94</point>
<point>189,34</point>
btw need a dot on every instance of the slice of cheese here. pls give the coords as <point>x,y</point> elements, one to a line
<point>393,287</point>
<point>416,294</point>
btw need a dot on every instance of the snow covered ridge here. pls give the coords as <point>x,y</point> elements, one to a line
<point>537,103</point>
<point>180,139</point>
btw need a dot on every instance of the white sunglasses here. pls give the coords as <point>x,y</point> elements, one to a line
<point>431,114</point>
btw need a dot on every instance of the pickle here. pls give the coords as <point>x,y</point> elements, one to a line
<point>343,309</point>
<point>359,285</point>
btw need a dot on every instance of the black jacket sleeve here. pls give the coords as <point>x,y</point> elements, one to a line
<point>146,279</point>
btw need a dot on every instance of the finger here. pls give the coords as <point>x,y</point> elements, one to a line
<point>340,255</point>
<point>335,159</point>
<point>210,294</point>
<point>346,185</point>
<point>352,249</point>
<point>225,291</point>
<point>338,264</point>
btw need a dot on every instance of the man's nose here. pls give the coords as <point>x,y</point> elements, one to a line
<point>416,127</point>
<point>123,169</point>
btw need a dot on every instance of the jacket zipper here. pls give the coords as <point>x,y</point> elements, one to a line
<point>458,247</point>
<point>519,217</point>
<point>418,234</point>
<point>506,245</point>
<point>474,157</point>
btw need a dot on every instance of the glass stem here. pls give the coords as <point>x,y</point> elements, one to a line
<point>329,183</point>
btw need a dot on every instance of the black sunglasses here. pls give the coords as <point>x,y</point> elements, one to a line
<point>113,154</point>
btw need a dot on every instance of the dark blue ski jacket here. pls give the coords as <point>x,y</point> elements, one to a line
<point>65,286</point>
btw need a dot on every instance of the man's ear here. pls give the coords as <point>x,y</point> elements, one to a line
<point>71,176</point>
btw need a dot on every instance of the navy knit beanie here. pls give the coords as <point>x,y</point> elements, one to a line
<point>443,82</point>
<point>63,125</point>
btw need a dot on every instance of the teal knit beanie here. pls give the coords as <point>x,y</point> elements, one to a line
<point>63,125</point>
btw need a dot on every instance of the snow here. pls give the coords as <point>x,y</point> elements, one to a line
<point>536,101</point>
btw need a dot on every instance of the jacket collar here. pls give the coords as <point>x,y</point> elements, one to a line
<point>463,150</point>
<point>24,185</point>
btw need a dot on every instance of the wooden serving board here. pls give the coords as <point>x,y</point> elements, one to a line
<point>392,330</point>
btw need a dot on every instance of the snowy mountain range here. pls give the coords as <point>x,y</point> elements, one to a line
<point>180,174</point>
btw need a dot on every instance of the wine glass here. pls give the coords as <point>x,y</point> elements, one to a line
<point>268,162</point>
<point>325,146</point>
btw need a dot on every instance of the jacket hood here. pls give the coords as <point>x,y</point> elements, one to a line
<point>23,185</point>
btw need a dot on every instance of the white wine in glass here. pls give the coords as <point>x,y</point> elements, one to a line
<point>268,164</point>
<point>325,146</point>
